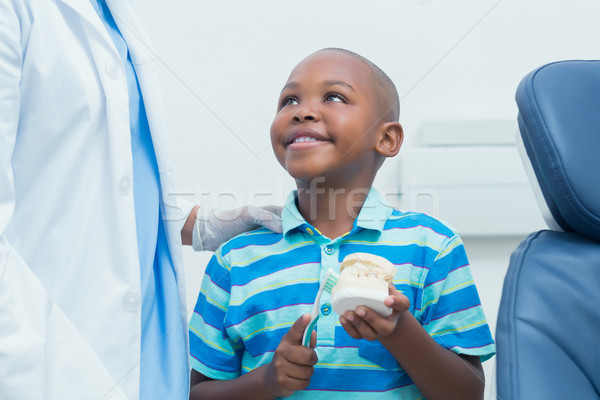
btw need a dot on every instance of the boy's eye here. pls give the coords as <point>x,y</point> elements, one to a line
<point>335,97</point>
<point>289,101</point>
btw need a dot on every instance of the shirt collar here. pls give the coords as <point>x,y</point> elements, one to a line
<point>373,214</point>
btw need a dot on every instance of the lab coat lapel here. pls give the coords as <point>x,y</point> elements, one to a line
<point>86,10</point>
<point>142,54</point>
<point>127,18</point>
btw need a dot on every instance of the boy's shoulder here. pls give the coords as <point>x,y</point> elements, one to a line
<point>257,237</point>
<point>420,222</point>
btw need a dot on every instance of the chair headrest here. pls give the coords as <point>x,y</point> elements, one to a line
<point>559,121</point>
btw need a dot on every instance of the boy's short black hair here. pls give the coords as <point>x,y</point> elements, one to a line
<point>390,102</point>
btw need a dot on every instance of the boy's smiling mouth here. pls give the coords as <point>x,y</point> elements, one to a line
<point>304,137</point>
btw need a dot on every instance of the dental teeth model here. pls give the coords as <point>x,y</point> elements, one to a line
<point>363,281</point>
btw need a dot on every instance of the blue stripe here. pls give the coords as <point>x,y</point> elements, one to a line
<point>444,266</point>
<point>212,315</point>
<point>218,361</point>
<point>456,301</point>
<point>414,220</point>
<point>217,275</point>
<point>342,339</point>
<point>357,380</point>
<point>273,299</point>
<point>267,342</point>
<point>416,255</point>
<point>258,237</point>
<point>276,262</point>
<point>473,338</point>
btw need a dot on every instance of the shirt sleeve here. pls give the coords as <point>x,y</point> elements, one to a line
<point>451,311</point>
<point>11,58</point>
<point>212,352</point>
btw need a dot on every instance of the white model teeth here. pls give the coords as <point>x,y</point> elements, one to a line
<point>303,139</point>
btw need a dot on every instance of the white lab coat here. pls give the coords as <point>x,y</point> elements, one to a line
<point>69,269</point>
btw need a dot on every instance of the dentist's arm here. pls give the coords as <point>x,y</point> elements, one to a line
<point>206,229</point>
<point>188,227</point>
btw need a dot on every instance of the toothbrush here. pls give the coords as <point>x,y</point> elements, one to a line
<point>329,281</point>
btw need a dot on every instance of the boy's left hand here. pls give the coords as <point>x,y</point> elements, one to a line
<point>365,323</point>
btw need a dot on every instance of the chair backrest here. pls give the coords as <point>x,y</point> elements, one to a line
<point>548,330</point>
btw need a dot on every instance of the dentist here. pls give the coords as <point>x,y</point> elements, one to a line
<point>92,300</point>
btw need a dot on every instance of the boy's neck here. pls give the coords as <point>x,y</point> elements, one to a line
<point>331,210</point>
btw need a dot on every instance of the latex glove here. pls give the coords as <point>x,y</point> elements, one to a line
<point>213,227</point>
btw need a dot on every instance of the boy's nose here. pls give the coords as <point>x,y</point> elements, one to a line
<point>305,114</point>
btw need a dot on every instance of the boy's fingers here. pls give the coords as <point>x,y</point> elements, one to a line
<point>301,372</point>
<point>301,355</point>
<point>291,347</point>
<point>349,328</point>
<point>358,324</point>
<point>366,322</point>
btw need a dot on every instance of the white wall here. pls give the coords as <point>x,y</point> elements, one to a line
<point>223,64</point>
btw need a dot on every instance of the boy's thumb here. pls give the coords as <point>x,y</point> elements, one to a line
<point>398,301</point>
<point>296,331</point>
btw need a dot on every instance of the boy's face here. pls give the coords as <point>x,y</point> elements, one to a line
<point>327,121</point>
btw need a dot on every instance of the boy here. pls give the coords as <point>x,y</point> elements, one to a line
<point>336,123</point>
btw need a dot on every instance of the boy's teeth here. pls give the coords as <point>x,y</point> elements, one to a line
<point>303,139</point>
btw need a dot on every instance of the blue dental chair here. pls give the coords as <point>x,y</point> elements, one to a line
<point>548,329</point>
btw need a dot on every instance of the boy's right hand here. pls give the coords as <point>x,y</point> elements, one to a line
<point>292,365</point>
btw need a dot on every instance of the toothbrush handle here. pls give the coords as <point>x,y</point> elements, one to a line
<point>308,331</point>
<point>314,317</point>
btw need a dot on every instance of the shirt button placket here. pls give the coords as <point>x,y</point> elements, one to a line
<point>326,324</point>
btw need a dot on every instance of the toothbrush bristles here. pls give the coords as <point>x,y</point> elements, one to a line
<point>331,282</point>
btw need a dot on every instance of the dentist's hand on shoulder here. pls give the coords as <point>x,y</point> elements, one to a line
<point>205,229</point>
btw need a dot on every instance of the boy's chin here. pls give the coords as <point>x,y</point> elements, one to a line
<point>306,180</point>
<point>307,175</point>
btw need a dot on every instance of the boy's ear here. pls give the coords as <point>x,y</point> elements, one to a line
<point>390,139</point>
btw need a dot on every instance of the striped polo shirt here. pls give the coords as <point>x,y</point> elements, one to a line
<point>259,283</point>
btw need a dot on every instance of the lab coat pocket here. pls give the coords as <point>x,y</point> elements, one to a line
<point>377,354</point>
